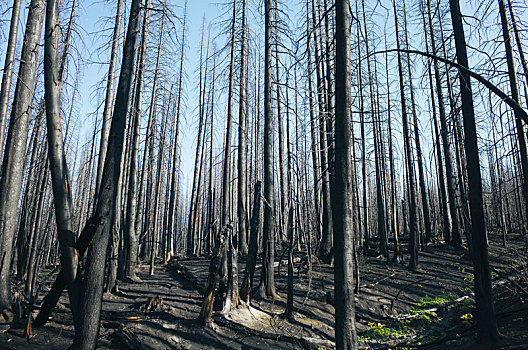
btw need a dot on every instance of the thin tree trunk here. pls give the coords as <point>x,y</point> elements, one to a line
<point>267,285</point>
<point>419,156</point>
<point>172,199</point>
<point>242,142</point>
<point>15,148</point>
<point>232,298</point>
<point>413,225</point>
<point>7,74</point>
<point>194,194</point>
<point>62,197</point>
<point>453,237</point>
<point>487,332</point>
<point>91,294</point>
<point>131,236</point>
<point>109,100</point>
<point>343,226</point>
<point>514,88</point>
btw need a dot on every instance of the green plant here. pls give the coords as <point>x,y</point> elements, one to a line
<point>379,330</point>
<point>428,302</point>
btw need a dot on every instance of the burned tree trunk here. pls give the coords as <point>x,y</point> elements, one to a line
<point>15,148</point>
<point>267,285</point>
<point>487,332</point>
<point>345,327</point>
<point>62,196</point>
<point>7,74</point>
<point>92,282</point>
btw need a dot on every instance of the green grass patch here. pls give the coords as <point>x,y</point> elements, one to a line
<point>428,302</point>
<point>381,331</point>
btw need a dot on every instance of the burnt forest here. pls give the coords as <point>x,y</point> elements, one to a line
<point>264,174</point>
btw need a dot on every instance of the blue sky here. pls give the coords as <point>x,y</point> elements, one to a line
<point>92,17</point>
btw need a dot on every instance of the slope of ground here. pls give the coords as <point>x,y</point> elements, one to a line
<point>395,308</point>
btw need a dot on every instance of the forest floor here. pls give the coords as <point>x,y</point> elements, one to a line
<point>395,308</point>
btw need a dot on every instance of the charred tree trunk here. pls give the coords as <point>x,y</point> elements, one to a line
<point>345,327</point>
<point>242,142</point>
<point>413,224</point>
<point>487,332</point>
<point>109,100</point>
<point>7,74</point>
<point>453,236</point>
<point>62,197</point>
<point>419,156</point>
<point>514,89</point>
<point>173,199</point>
<point>92,286</point>
<point>267,285</point>
<point>15,148</point>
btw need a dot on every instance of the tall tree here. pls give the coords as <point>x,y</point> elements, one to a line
<point>109,99</point>
<point>242,141</point>
<point>487,332</point>
<point>92,282</point>
<point>453,235</point>
<point>267,283</point>
<point>232,298</point>
<point>514,89</point>
<point>343,226</point>
<point>15,148</point>
<point>7,74</point>
<point>62,196</point>
<point>130,233</point>
<point>172,198</point>
<point>419,156</point>
<point>413,224</point>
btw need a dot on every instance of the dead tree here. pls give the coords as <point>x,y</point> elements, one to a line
<point>172,198</point>
<point>130,234</point>
<point>514,89</point>
<point>7,73</point>
<point>487,332</point>
<point>93,279</point>
<point>453,235</point>
<point>242,141</point>
<point>62,196</point>
<point>267,283</point>
<point>109,100</point>
<point>343,226</point>
<point>15,148</point>
<point>413,224</point>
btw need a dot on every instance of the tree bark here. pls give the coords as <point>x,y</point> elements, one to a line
<point>109,100</point>
<point>15,148</point>
<point>267,285</point>
<point>487,332</point>
<point>92,287</point>
<point>247,282</point>
<point>131,236</point>
<point>242,142</point>
<point>514,89</point>
<point>413,224</point>
<point>7,74</point>
<point>343,226</point>
<point>62,197</point>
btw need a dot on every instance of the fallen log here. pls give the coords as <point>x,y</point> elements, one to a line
<point>305,342</point>
<point>53,296</point>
